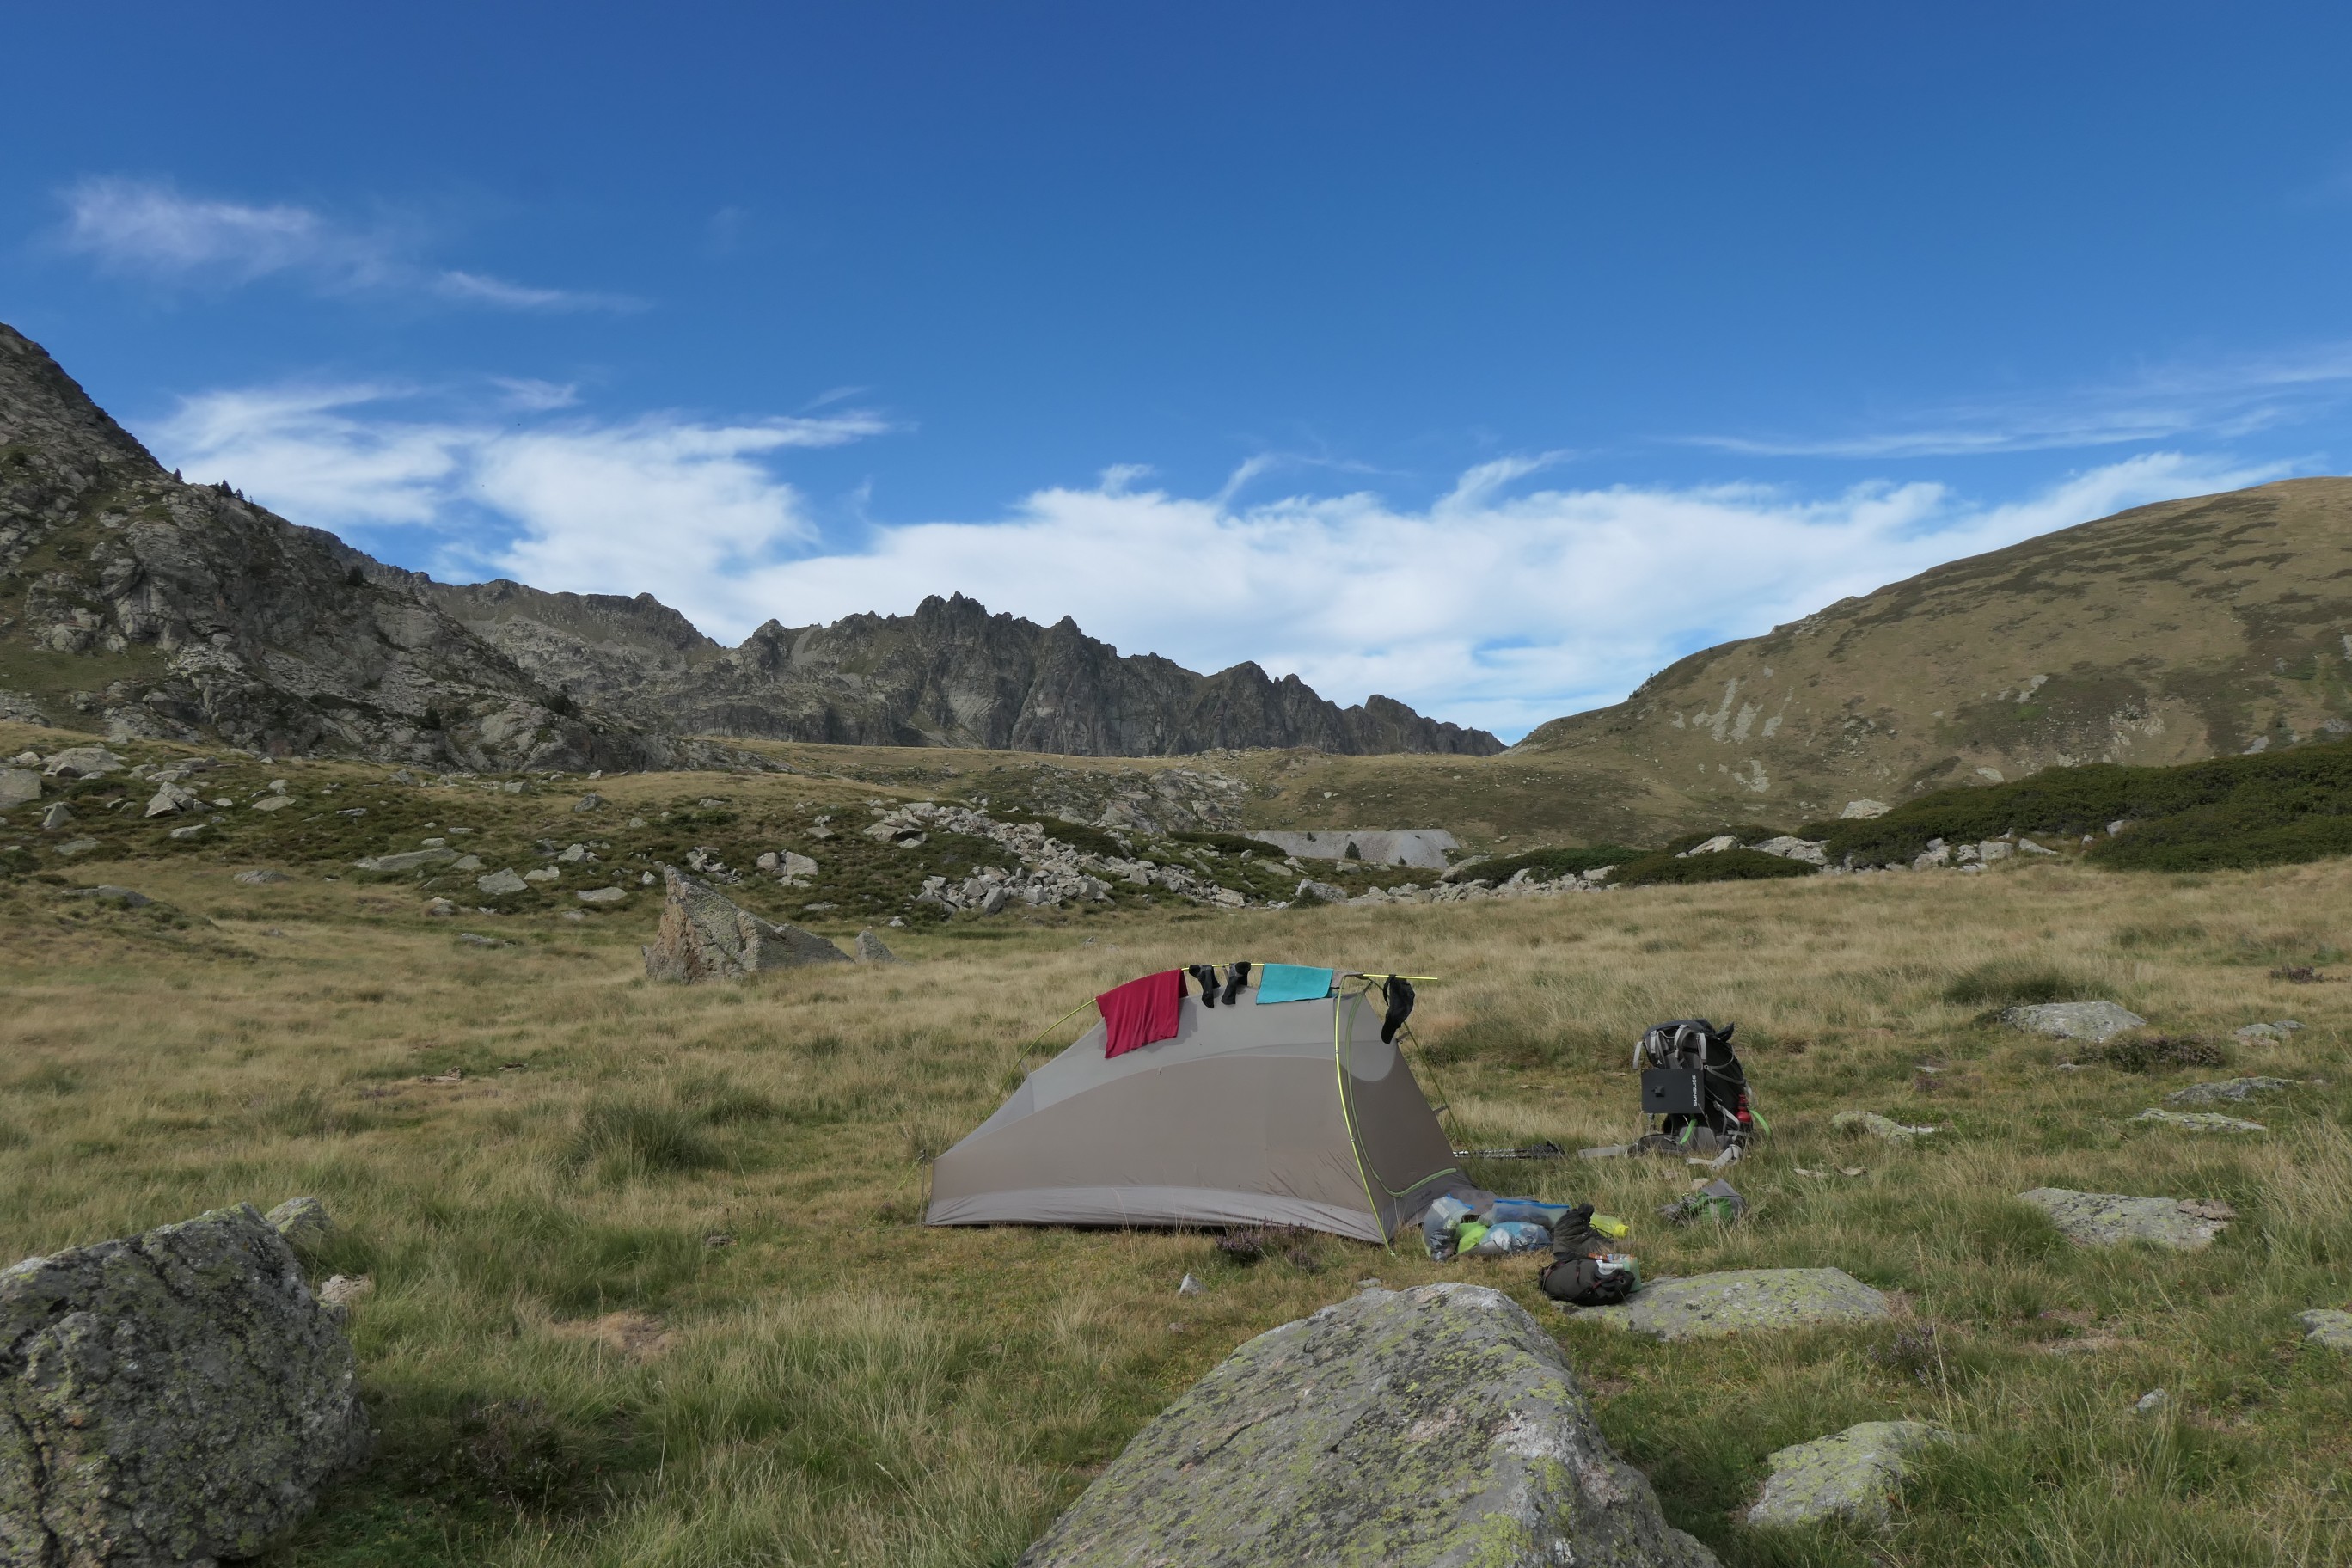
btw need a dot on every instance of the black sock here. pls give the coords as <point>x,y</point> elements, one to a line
<point>1400,992</point>
<point>1206,974</point>
<point>1236,978</point>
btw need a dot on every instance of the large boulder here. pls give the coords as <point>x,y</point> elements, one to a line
<point>169,1399</point>
<point>18,786</point>
<point>706,936</point>
<point>1435,1426</point>
<point>2092,1021</point>
<point>1853,1474</point>
<point>2111,1219</point>
<point>1744,1299</point>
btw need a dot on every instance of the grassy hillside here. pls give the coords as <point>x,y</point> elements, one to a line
<point>650,1289</point>
<point>2166,634</point>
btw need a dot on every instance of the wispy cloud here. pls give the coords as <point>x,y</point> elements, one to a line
<point>1495,604</point>
<point>148,229</point>
<point>2217,401</point>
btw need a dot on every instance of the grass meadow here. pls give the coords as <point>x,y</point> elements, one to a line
<point>651,1287</point>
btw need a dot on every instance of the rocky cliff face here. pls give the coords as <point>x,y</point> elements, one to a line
<point>948,675</point>
<point>171,610</point>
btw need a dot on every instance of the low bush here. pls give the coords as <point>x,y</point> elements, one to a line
<point>2014,982</point>
<point>2153,1053</point>
<point>2272,808</point>
<point>1723,866</point>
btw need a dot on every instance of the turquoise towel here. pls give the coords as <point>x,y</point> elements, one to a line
<point>1292,982</point>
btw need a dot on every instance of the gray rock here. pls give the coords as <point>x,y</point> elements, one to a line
<point>2111,1219</point>
<point>592,801</point>
<point>342,1291</point>
<point>466,863</point>
<point>792,865</point>
<point>1326,892</point>
<point>18,786</point>
<point>1188,1286</point>
<point>1858,810</point>
<point>1853,1474</point>
<point>870,950</point>
<point>602,894</point>
<point>2327,1327</point>
<point>2235,1090</point>
<point>1435,1426</point>
<point>545,874</point>
<point>1741,1300</point>
<point>78,847</point>
<point>300,1220</point>
<point>408,861</point>
<point>84,763</point>
<point>498,883</point>
<point>261,878</point>
<point>127,897</point>
<point>173,1398</point>
<point>1790,848</point>
<point>2199,1120</point>
<point>2154,1401</point>
<point>706,936</point>
<point>55,817</point>
<point>190,832</point>
<point>172,798</point>
<point>440,909</point>
<point>476,939</point>
<point>992,901</point>
<point>273,803</point>
<point>2092,1021</point>
<point>1877,1126</point>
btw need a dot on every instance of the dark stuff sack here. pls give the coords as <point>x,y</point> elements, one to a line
<point>1578,1274</point>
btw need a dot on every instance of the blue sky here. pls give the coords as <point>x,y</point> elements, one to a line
<point>1489,361</point>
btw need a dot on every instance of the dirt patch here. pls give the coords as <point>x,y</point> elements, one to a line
<point>639,1336</point>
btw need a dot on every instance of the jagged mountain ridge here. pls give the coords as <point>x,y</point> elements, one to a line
<point>950,674</point>
<point>175,610</point>
<point>2169,633</point>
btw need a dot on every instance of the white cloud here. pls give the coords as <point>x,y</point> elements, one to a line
<point>2225,400</point>
<point>148,229</point>
<point>1486,606</point>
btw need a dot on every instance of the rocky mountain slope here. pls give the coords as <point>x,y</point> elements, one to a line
<point>2195,628</point>
<point>948,675</point>
<point>152,608</point>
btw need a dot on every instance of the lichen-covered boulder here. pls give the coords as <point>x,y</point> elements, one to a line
<point>1434,1426</point>
<point>2235,1090</point>
<point>2199,1120</point>
<point>2325,1326</point>
<point>704,935</point>
<point>2090,1021</point>
<point>2111,1219</point>
<point>871,949</point>
<point>1853,1474</point>
<point>1743,1299</point>
<point>168,1399</point>
<point>300,1220</point>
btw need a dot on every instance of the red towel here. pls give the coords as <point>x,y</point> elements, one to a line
<point>1140,1011</point>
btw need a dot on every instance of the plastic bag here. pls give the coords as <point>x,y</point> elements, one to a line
<point>1510,1235</point>
<point>1438,1224</point>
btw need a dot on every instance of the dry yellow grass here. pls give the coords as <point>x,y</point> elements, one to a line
<point>837,1383</point>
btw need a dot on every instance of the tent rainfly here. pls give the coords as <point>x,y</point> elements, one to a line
<point>1294,1113</point>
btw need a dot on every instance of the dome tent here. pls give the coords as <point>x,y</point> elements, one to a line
<point>1294,1113</point>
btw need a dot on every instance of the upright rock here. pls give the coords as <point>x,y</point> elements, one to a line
<point>707,936</point>
<point>871,950</point>
<point>1435,1426</point>
<point>168,1399</point>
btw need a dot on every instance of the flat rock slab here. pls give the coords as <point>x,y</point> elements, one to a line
<point>172,1399</point>
<point>1741,1300</point>
<point>2325,1326</point>
<point>2234,1090</point>
<point>2199,1120</point>
<point>2111,1219</point>
<point>1877,1126</point>
<point>1435,1427</point>
<point>2092,1021</point>
<point>1853,1474</point>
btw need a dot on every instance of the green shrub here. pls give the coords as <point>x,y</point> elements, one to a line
<point>1723,865</point>
<point>1546,865</point>
<point>2015,981</point>
<point>2270,809</point>
<point>2152,1053</point>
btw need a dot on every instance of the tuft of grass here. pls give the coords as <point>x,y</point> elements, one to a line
<point>2151,1052</point>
